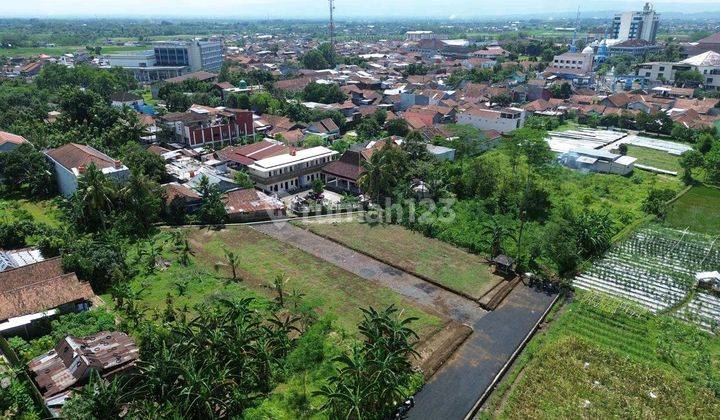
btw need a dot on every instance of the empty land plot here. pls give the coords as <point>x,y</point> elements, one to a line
<point>430,258</point>
<point>328,289</point>
<point>655,158</point>
<point>698,210</point>
<point>604,359</point>
<point>43,211</point>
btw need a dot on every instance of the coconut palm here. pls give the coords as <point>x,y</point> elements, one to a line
<point>374,180</point>
<point>95,194</point>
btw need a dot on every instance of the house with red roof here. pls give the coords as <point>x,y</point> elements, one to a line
<point>72,159</point>
<point>9,141</point>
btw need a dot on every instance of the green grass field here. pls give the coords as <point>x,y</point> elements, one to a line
<point>655,158</point>
<point>327,288</point>
<point>698,209</point>
<point>56,51</point>
<point>41,211</point>
<point>622,196</point>
<point>443,263</point>
<point>600,361</point>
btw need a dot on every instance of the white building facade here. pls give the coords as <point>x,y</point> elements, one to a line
<point>503,120</point>
<point>291,172</point>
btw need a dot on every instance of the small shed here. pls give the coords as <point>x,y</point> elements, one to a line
<point>504,264</point>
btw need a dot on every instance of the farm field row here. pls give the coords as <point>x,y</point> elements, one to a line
<point>655,268</point>
<point>604,359</point>
<point>415,253</point>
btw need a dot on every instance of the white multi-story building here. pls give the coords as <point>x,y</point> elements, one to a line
<point>707,64</point>
<point>418,35</point>
<point>291,171</point>
<point>581,62</point>
<point>637,25</point>
<point>71,160</point>
<point>503,120</point>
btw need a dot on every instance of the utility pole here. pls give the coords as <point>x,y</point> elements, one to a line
<point>332,25</point>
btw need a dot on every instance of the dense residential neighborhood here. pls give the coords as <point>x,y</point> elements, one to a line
<point>506,216</point>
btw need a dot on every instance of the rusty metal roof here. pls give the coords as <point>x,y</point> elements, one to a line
<point>70,362</point>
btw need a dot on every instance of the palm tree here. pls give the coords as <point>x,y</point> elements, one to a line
<point>373,180</point>
<point>95,193</point>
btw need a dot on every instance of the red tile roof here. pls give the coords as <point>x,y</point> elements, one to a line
<point>246,155</point>
<point>6,137</point>
<point>73,155</point>
<point>349,166</point>
<point>39,287</point>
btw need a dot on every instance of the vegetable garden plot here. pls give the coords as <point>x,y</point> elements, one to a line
<point>656,268</point>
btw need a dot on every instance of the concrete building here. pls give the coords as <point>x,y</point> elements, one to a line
<point>203,125</point>
<point>634,47</point>
<point>503,120</point>
<point>169,59</point>
<point>656,71</point>
<point>291,171</point>
<point>636,25</point>
<point>197,55</point>
<point>143,66</point>
<point>595,160</point>
<point>574,61</point>
<point>707,64</point>
<point>9,141</point>
<point>418,35</point>
<point>71,160</point>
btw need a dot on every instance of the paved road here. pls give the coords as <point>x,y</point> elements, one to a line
<point>449,304</point>
<point>461,381</point>
<point>454,389</point>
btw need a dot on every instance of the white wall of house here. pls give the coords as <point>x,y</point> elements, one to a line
<point>66,179</point>
<point>503,125</point>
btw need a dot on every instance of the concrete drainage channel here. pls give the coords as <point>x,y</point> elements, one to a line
<point>463,381</point>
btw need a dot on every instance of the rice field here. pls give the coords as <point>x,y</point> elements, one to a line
<point>608,358</point>
<point>655,268</point>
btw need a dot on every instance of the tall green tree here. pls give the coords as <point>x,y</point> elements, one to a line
<point>212,209</point>
<point>25,170</point>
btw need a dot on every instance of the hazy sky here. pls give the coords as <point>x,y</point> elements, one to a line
<point>319,8</point>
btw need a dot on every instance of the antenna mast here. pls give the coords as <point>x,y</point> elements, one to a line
<point>573,43</point>
<point>332,24</point>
